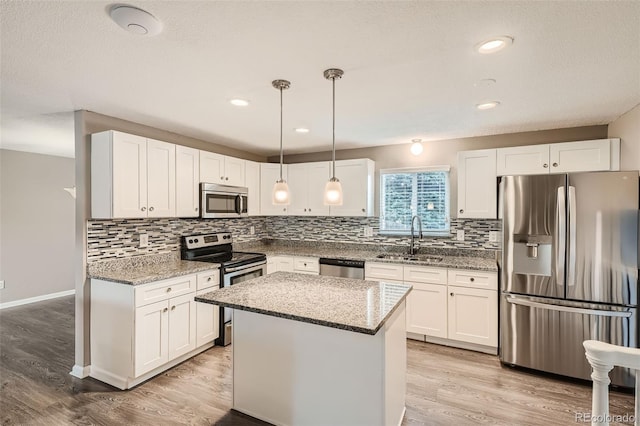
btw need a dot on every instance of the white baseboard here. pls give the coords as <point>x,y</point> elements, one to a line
<point>80,372</point>
<point>37,299</point>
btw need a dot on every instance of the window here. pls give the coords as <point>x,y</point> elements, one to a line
<point>408,192</point>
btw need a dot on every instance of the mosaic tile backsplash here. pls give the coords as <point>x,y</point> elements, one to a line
<point>108,239</point>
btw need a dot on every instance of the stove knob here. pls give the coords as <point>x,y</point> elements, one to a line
<point>190,241</point>
<point>195,241</point>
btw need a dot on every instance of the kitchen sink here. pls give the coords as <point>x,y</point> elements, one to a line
<point>414,258</point>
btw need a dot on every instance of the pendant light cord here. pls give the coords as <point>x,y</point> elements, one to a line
<point>281,154</point>
<point>333,80</point>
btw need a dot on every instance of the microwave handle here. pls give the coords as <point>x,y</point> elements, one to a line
<point>239,204</point>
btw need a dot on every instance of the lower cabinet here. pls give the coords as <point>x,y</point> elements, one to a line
<point>303,265</point>
<point>450,306</point>
<point>140,331</point>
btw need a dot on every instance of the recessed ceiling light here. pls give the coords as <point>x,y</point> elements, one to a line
<point>239,102</point>
<point>416,146</point>
<point>487,105</point>
<point>494,44</point>
<point>301,130</point>
<point>136,21</point>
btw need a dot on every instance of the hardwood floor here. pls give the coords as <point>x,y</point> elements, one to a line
<point>445,386</point>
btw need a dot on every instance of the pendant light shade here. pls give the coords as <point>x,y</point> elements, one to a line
<point>333,188</point>
<point>280,195</point>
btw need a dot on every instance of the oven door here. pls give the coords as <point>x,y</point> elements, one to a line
<point>237,275</point>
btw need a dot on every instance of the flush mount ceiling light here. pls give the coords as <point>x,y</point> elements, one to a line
<point>487,105</point>
<point>134,20</point>
<point>494,44</point>
<point>239,102</point>
<point>281,189</point>
<point>485,82</point>
<point>301,130</point>
<point>333,188</point>
<point>416,146</point>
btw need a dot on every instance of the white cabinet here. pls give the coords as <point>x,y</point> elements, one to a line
<point>139,331</point>
<point>459,307</point>
<point>477,186</point>
<point>306,185</point>
<point>299,264</point>
<point>252,182</point>
<point>217,168</point>
<point>356,177</point>
<point>566,157</point>
<point>207,315</point>
<point>473,307</point>
<point>187,181</point>
<point>131,176</point>
<point>473,316</point>
<point>269,174</point>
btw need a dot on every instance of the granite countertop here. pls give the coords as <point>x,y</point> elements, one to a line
<point>138,270</point>
<point>348,304</point>
<point>459,259</point>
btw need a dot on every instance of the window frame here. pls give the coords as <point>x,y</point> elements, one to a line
<point>440,233</point>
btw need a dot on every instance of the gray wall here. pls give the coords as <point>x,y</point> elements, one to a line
<point>445,152</point>
<point>627,128</point>
<point>34,209</point>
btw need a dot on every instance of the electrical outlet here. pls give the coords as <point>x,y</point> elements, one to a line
<point>144,240</point>
<point>493,236</point>
<point>368,231</point>
<point>1,284</point>
<point>460,235</point>
<point>252,230</point>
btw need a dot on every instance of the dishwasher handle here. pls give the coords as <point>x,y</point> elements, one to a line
<point>349,263</point>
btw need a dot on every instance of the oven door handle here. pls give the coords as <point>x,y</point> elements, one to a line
<point>240,268</point>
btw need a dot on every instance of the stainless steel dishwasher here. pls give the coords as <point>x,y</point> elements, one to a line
<point>344,268</point>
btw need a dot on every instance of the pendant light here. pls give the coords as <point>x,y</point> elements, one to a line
<point>333,188</point>
<point>281,189</point>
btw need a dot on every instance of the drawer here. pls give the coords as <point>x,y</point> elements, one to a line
<point>473,279</point>
<point>306,265</point>
<point>208,279</point>
<point>424,274</point>
<point>383,271</point>
<point>163,290</point>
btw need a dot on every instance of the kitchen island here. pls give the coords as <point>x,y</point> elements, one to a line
<point>317,350</point>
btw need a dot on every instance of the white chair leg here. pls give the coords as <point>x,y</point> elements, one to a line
<point>600,400</point>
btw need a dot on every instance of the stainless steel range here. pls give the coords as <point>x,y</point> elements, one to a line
<point>235,267</point>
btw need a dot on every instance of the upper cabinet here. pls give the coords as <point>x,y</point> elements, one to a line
<point>187,181</point>
<point>567,157</point>
<point>306,185</point>
<point>252,182</point>
<point>356,177</point>
<point>217,168</point>
<point>132,176</point>
<point>269,174</point>
<point>477,194</point>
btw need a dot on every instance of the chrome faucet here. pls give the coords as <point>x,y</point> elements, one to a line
<point>412,247</point>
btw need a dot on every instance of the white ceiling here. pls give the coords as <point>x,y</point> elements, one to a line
<point>410,69</point>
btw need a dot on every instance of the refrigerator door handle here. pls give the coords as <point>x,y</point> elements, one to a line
<point>569,309</point>
<point>571,234</point>
<point>560,236</point>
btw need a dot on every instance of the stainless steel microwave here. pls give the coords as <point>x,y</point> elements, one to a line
<point>223,201</point>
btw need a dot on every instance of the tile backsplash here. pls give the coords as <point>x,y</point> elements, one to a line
<point>119,238</point>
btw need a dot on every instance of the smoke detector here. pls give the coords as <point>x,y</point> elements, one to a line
<point>136,21</point>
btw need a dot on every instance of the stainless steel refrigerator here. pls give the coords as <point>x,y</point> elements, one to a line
<point>569,269</point>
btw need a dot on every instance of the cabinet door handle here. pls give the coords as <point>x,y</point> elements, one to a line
<point>363,210</point>
<point>284,210</point>
<point>472,279</point>
<point>227,178</point>
<point>451,294</point>
<point>305,263</point>
<point>168,289</point>
<point>209,279</point>
<point>173,308</point>
<point>305,210</point>
<point>555,164</point>
<point>196,209</point>
<point>461,211</point>
<point>150,209</point>
<point>165,310</point>
<point>143,209</point>
<point>545,165</point>
<point>309,209</point>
